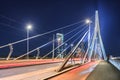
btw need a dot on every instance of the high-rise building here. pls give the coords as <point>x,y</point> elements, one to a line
<point>60,39</point>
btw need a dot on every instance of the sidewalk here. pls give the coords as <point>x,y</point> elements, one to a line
<point>104,71</point>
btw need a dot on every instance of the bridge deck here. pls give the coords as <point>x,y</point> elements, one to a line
<point>79,73</point>
<point>104,71</point>
<point>23,63</point>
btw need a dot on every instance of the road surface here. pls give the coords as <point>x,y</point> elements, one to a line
<point>4,73</point>
<point>36,72</point>
<point>19,63</point>
<point>79,73</point>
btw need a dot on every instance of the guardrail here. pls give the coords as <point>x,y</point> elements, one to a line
<point>116,63</point>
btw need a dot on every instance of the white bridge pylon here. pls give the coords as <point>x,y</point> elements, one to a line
<point>96,46</point>
<point>96,41</point>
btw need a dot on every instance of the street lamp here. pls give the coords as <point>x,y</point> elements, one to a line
<point>71,46</point>
<point>66,44</point>
<point>88,21</point>
<point>29,27</point>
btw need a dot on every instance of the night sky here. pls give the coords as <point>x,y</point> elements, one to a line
<point>46,15</point>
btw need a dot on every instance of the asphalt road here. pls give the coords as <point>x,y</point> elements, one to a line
<point>21,70</point>
<point>104,71</point>
<point>79,73</point>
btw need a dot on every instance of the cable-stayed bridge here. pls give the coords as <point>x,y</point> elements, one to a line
<point>72,58</point>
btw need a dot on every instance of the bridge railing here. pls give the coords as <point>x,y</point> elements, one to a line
<point>116,63</point>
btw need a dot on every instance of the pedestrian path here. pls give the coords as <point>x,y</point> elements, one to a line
<point>104,71</point>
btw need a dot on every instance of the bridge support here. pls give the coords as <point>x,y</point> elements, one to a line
<point>11,51</point>
<point>38,53</point>
<point>96,38</point>
<point>72,53</point>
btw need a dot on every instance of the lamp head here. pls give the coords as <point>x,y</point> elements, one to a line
<point>88,21</point>
<point>29,27</point>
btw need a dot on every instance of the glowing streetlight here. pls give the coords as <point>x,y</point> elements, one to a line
<point>29,27</point>
<point>71,46</point>
<point>88,21</point>
<point>66,44</point>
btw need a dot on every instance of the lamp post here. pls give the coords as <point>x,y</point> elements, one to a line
<point>29,27</point>
<point>53,48</point>
<point>71,51</point>
<point>88,21</point>
<point>65,49</point>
